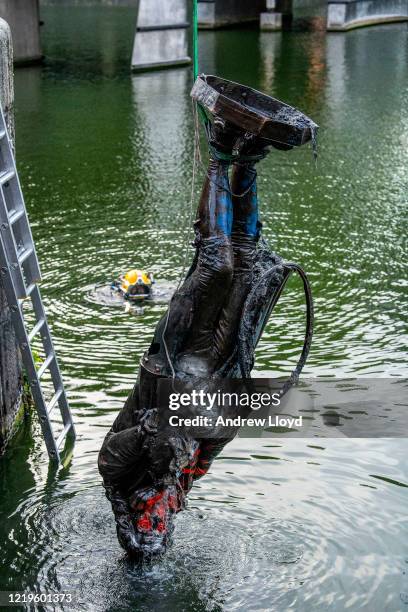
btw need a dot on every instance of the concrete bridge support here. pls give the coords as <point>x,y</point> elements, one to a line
<point>348,14</point>
<point>10,362</point>
<point>222,13</point>
<point>278,15</point>
<point>23,17</point>
<point>162,35</point>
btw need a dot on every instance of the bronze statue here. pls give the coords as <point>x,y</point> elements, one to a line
<point>214,320</point>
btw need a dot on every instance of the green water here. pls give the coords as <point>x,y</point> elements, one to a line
<point>105,164</point>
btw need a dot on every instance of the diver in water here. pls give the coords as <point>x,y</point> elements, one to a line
<point>209,332</point>
<point>135,285</point>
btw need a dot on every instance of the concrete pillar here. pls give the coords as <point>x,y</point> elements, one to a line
<point>278,15</point>
<point>348,15</point>
<point>336,16</point>
<point>222,13</point>
<point>162,34</point>
<point>23,17</point>
<point>6,76</point>
<point>10,361</point>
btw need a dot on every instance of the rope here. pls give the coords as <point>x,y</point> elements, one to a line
<point>196,162</point>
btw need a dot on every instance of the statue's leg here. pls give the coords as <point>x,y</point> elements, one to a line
<point>245,230</point>
<point>195,309</point>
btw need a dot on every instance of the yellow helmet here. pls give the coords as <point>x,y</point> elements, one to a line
<point>134,277</point>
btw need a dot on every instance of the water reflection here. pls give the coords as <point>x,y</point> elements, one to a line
<point>270,44</point>
<point>262,511</point>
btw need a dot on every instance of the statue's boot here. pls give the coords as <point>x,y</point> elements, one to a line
<point>253,112</point>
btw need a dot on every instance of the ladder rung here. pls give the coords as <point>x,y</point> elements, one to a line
<point>31,288</point>
<point>63,434</point>
<point>16,215</point>
<point>6,176</point>
<point>45,365</point>
<point>170,26</point>
<point>25,254</point>
<point>54,399</point>
<point>36,329</point>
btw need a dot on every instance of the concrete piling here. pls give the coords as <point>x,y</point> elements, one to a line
<point>349,14</point>
<point>6,76</point>
<point>23,17</point>
<point>222,13</point>
<point>277,15</point>
<point>162,35</point>
<point>10,360</point>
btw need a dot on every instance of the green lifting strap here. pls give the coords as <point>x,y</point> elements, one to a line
<point>195,38</point>
<point>201,111</point>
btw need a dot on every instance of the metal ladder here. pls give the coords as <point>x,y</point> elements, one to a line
<point>20,274</point>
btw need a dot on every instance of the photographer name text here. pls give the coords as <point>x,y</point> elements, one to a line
<point>220,421</point>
